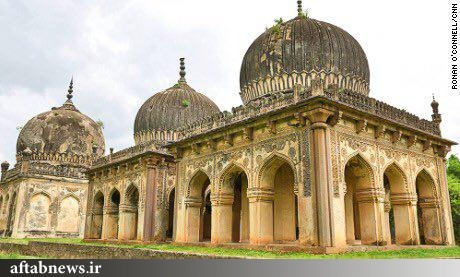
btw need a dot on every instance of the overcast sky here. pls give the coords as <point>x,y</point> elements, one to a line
<point>122,52</point>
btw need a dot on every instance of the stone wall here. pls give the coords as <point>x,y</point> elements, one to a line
<point>44,207</point>
<point>74,251</point>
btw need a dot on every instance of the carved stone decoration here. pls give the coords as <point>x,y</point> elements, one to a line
<point>305,148</point>
<point>335,118</point>
<point>380,131</point>
<point>442,151</point>
<point>229,139</point>
<point>196,147</point>
<point>427,144</point>
<point>396,136</point>
<point>411,141</point>
<point>212,144</point>
<point>299,120</point>
<point>272,126</point>
<point>361,126</point>
<point>249,133</point>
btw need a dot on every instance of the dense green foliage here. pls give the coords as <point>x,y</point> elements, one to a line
<point>453,178</point>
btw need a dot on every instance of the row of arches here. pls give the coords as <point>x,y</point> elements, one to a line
<point>223,213</point>
<point>116,218</point>
<point>409,216</point>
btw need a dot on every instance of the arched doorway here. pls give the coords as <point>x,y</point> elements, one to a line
<point>362,211</point>
<point>170,222</point>
<point>400,207</point>
<point>197,207</point>
<point>98,206</point>
<point>232,207</point>
<point>112,212</point>
<point>277,176</point>
<point>429,219</point>
<point>130,213</point>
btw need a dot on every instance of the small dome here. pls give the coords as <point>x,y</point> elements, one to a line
<point>298,51</point>
<point>165,112</point>
<point>63,130</point>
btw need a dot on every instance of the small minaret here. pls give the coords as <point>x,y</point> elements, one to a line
<point>436,116</point>
<point>299,8</point>
<point>70,91</point>
<point>182,71</point>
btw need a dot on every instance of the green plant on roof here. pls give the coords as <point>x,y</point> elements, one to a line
<point>276,29</point>
<point>185,103</point>
<point>100,123</point>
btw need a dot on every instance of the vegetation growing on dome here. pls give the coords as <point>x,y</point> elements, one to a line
<point>185,103</point>
<point>100,123</point>
<point>276,28</point>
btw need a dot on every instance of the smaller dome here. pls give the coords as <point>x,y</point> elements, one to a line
<point>63,130</point>
<point>165,112</point>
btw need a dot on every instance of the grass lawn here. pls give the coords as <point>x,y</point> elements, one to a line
<point>452,252</point>
<point>13,256</point>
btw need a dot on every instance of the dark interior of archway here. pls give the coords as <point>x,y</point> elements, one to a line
<point>169,231</point>
<point>115,198</point>
<point>207,218</point>
<point>386,184</point>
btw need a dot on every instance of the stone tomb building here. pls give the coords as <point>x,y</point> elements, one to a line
<point>45,193</point>
<point>308,160</point>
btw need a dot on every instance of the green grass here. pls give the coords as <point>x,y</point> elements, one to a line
<point>14,256</point>
<point>451,252</point>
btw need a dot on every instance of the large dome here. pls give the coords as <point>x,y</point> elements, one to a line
<point>165,112</point>
<point>298,51</point>
<point>64,130</point>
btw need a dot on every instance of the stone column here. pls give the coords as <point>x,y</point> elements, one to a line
<point>150,201</point>
<point>322,175</point>
<point>371,214</point>
<point>405,216</point>
<point>260,215</point>
<point>127,229</point>
<point>386,225</point>
<point>95,223</point>
<point>192,219</point>
<point>110,223</point>
<point>221,218</point>
<point>431,218</point>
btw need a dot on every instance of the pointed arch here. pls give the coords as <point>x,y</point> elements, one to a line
<point>38,215</point>
<point>198,183</point>
<point>233,184</point>
<point>229,175</point>
<point>269,166</point>
<point>362,169</point>
<point>69,215</point>
<point>425,184</point>
<point>428,209</point>
<point>397,178</point>
<point>278,175</point>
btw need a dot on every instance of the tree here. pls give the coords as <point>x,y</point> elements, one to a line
<point>453,179</point>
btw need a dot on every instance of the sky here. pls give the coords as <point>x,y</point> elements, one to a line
<point>122,52</point>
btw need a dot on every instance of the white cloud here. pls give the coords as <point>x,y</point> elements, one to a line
<point>121,52</point>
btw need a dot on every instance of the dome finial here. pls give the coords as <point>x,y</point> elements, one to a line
<point>182,71</point>
<point>70,90</point>
<point>299,8</point>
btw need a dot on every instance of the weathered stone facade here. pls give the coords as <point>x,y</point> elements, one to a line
<point>45,193</point>
<point>309,160</point>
